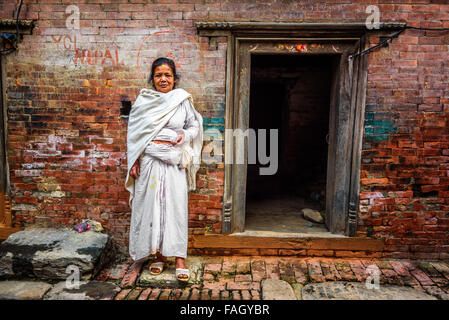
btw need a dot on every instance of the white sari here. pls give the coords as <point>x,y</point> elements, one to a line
<point>158,197</point>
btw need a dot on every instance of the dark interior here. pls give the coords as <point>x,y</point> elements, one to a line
<point>291,93</point>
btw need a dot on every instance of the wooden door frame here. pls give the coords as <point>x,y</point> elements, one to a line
<point>25,27</point>
<point>5,209</point>
<point>347,107</point>
<point>341,114</point>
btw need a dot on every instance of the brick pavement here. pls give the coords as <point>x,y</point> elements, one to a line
<point>239,277</point>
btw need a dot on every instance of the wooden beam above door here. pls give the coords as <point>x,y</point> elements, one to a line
<point>292,25</point>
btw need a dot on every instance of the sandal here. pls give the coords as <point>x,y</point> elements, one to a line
<point>180,271</point>
<point>157,265</point>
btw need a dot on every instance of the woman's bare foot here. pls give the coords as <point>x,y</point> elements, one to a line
<point>159,258</point>
<point>180,263</point>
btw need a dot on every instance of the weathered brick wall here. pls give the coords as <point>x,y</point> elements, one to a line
<point>405,157</point>
<point>66,142</point>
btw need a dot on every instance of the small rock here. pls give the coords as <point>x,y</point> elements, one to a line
<point>46,253</point>
<point>277,290</point>
<point>312,215</point>
<point>23,290</point>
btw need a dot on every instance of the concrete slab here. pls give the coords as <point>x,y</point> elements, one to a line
<point>277,290</point>
<point>94,290</point>
<point>23,290</point>
<point>343,290</point>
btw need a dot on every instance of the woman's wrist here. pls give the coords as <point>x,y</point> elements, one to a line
<point>186,135</point>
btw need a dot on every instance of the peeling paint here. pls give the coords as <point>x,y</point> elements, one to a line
<point>47,184</point>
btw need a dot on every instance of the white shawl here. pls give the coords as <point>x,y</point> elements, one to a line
<point>149,114</point>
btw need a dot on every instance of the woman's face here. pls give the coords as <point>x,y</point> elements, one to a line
<point>163,78</point>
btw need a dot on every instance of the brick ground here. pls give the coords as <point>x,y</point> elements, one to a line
<point>239,278</point>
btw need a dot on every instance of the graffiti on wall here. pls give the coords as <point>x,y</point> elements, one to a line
<point>85,56</point>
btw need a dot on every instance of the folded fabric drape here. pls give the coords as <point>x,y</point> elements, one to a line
<point>149,114</point>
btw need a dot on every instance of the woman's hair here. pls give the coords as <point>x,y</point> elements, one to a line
<point>160,61</point>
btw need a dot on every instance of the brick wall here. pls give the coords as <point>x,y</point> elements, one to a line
<point>65,88</point>
<point>405,162</point>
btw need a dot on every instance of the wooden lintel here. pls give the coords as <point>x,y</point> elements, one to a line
<point>10,25</point>
<point>238,25</point>
<point>213,33</point>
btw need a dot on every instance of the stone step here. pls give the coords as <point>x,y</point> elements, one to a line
<point>273,289</point>
<point>167,279</point>
<point>54,253</point>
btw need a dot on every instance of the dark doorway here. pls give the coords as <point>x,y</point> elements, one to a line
<point>290,93</point>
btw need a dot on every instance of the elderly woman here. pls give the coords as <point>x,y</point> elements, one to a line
<point>164,145</point>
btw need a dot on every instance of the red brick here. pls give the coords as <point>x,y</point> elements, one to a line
<point>231,285</point>
<point>145,294</point>
<point>122,294</point>
<point>154,294</point>
<point>423,279</point>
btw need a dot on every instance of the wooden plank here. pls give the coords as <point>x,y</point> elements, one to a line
<point>331,153</point>
<point>7,210</point>
<point>359,112</point>
<point>10,25</point>
<point>2,211</point>
<point>229,124</point>
<point>5,232</point>
<point>313,26</point>
<point>242,74</point>
<point>244,242</point>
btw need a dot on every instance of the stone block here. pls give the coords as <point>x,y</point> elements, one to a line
<point>23,290</point>
<point>47,253</point>
<point>277,290</point>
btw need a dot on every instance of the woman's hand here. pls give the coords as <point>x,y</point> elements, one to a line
<point>135,170</point>
<point>180,139</point>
